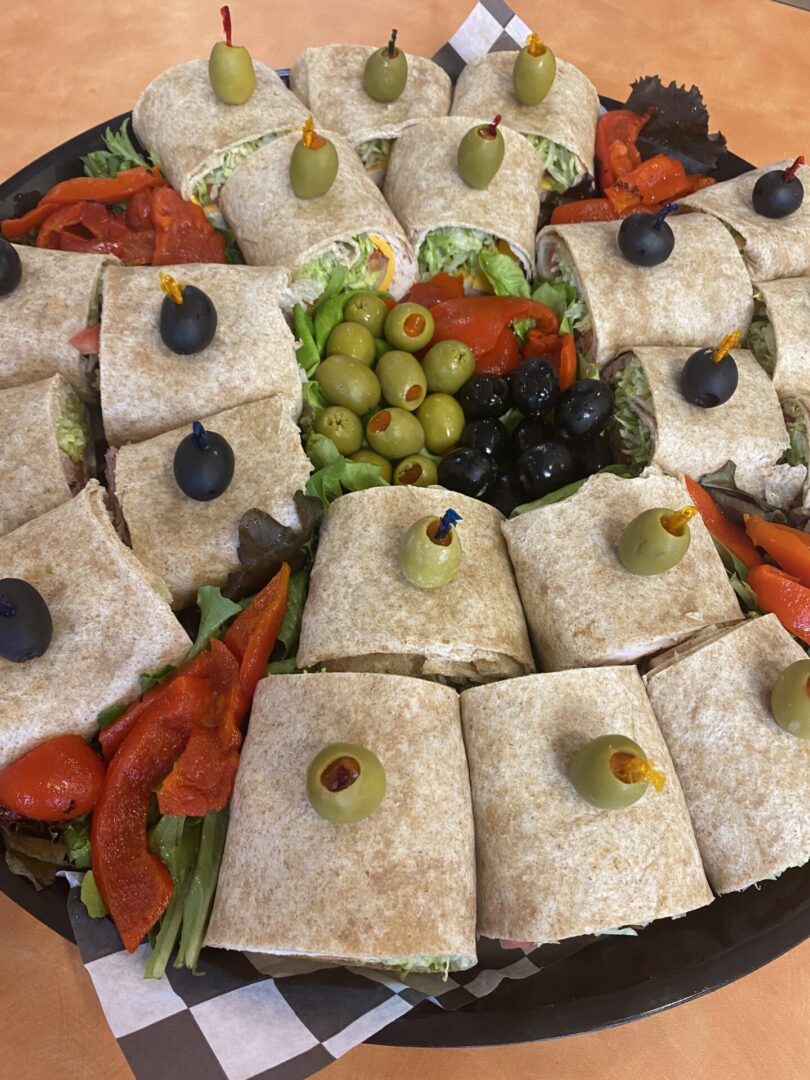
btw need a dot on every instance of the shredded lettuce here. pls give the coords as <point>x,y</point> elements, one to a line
<point>351,258</point>
<point>439,965</point>
<point>455,250</point>
<point>562,297</point>
<point>208,188</point>
<point>561,169</point>
<point>761,338</point>
<point>71,428</point>
<point>374,154</point>
<point>630,389</point>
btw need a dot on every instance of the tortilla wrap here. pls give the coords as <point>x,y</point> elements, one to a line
<point>748,429</point>
<point>787,307</point>
<point>111,621</point>
<point>184,125</point>
<point>549,865</point>
<point>329,81</point>
<point>400,883</point>
<point>771,247</point>
<point>567,115</point>
<point>586,610</point>
<point>746,780</point>
<point>192,543</point>
<point>275,228</point>
<point>56,299</point>
<point>426,192</point>
<point>147,389</point>
<point>700,293</point>
<point>363,615</point>
<point>35,474</point>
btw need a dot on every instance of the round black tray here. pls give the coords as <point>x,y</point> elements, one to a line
<point>609,980</point>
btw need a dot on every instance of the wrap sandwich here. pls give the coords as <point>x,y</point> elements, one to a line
<point>450,224</point>
<point>47,453</point>
<point>111,622</point>
<point>147,389</point>
<point>55,303</point>
<point>347,238</point>
<point>771,247</point>
<point>779,335</point>
<point>329,81</point>
<point>198,140</point>
<point>362,614</point>
<point>700,293</point>
<point>746,780</point>
<point>549,865</point>
<point>191,543</point>
<point>562,128</point>
<point>394,890</point>
<point>583,608</point>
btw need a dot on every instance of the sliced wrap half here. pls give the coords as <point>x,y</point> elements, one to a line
<point>746,780</point>
<point>583,608</point>
<point>396,889</point>
<point>549,865</point>
<point>700,293</point>
<point>449,223</point>
<point>363,615</point>
<point>779,335</point>
<point>329,81</point>
<point>111,621</point>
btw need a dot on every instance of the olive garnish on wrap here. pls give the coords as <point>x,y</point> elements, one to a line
<point>313,164</point>
<point>25,621</point>
<point>430,552</point>
<point>188,318</point>
<point>534,71</point>
<point>709,376</point>
<point>386,72</point>
<point>203,464</point>
<point>612,772</point>
<point>779,192</point>
<point>230,67</point>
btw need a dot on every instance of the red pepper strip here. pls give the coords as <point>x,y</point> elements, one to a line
<point>780,594</point>
<point>440,287</point>
<point>93,217</point>
<point>582,210</point>
<point>139,211</point>
<point>252,635</point>
<point>14,228</point>
<point>134,249</point>
<point>538,344</point>
<point>59,218</point>
<point>104,189</point>
<point>86,341</point>
<point>789,548</point>
<point>184,233</point>
<point>730,535</point>
<point>700,182</point>
<point>501,359</point>
<point>568,361</point>
<point>478,320</point>
<point>135,885</point>
<point>616,136</point>
<point>56,781</point>
<point>657,180</point>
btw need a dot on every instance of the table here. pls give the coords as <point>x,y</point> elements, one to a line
<point>67,65</point>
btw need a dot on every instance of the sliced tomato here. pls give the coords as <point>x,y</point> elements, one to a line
<point>86,341</point>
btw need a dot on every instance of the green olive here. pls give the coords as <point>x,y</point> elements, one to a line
<point>313,165</point>
<point>595,772</point>
<point>386,72</point>
<point>534,71</point>
<point>448,365</point>
<point>409,327</point>
<point>345,381</point>
<point>655,541</point>
<point>345,783</point>
<point>395,433</point>
<point>370,458</point>
<point>428,559</point>
<point>417,471</point>
<point>442,418</point>
<point>480,155</point>
<point>790,699</point>
<point>351,339</point>
<point>402,379</point>
<point>230,70</point>
<point>341,426</point>
<point>368,310</point>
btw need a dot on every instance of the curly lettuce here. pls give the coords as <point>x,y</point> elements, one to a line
<point>561,168</point>
<point>630,391</point>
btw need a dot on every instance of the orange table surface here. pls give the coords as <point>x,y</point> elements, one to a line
<point>68,65</point>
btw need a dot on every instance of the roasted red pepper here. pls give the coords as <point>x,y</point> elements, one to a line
<point>660,179</point>
<point>139,211</point>
<point>56,781</point>
<point>784,596</point>
<point>184,233</point>
<point>616,152</point>
<point>789,548</point>
<point>559,349</point>
<point>440,287</point>
<point>502,358</point>
<point>583,210</point>
<point>252,635</point>
<point>730,535</point>
<point>478,321</point>
<point>86,341</point>
<point>568,361</point>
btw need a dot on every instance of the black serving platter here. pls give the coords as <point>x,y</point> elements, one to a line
<point>605,981</point>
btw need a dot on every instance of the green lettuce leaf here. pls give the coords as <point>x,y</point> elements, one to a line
<point>321,451</point>
<point>119,154</point>
<point>454,249</point>
<point>177,841</point>
<point>148,680</point>
<point>200,888</point>
<point>282,667</point>
<point>329,483</point>
<point>215,611</point>
<point>307,354</point>
<point>91,897</point>
<point>112,712</point>
<point>287,641</point>
<point>75,835</point>
<point>631,387</point>
<point>504,274</point>
<point>761,338</point>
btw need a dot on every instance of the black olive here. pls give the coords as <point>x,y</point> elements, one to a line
<point>466,470</point>
<point>590,455</point>
<point>203,464</point>
<point>707,383</point>
<point>584,409</point>
<point>505,493</point>
<point>484,396</point>
<point>545,468</point>
<point>10,268</point>
<point>774,196</point>
<point>189,327</point>
<point>25,621</point>
<point>645,239</point>
<point>530,432</point>
<point>535,387</point>
<point>490,437</point>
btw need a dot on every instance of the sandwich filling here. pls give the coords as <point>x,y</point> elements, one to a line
<point>633,421</point>
<point>555,266</point>
<point>73,439</point>
<point>561,168</point>
<point>366,261</point>
<point>761,338</point>
<point>374,154</point>
<point>456,250</point>
<point>206,190</point>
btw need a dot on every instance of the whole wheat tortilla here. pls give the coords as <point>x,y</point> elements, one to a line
<point>147,389</point>
<point>586,610</point>
<point>746,781</point>
<point>362,614</point>
<point>329,81</point>
<point>550,865</point>
<point>771,247</point>
<point>51,304</point>
<point>425,191</point>
<point>700,293</point>
<point>788,307</point>
<point>400,883</point>
<point>276,228</point>
<point>184,125</point>
<point>748,429</point>
<point>567,115</point>
<point>192,543</point>
<point>111,621</point>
